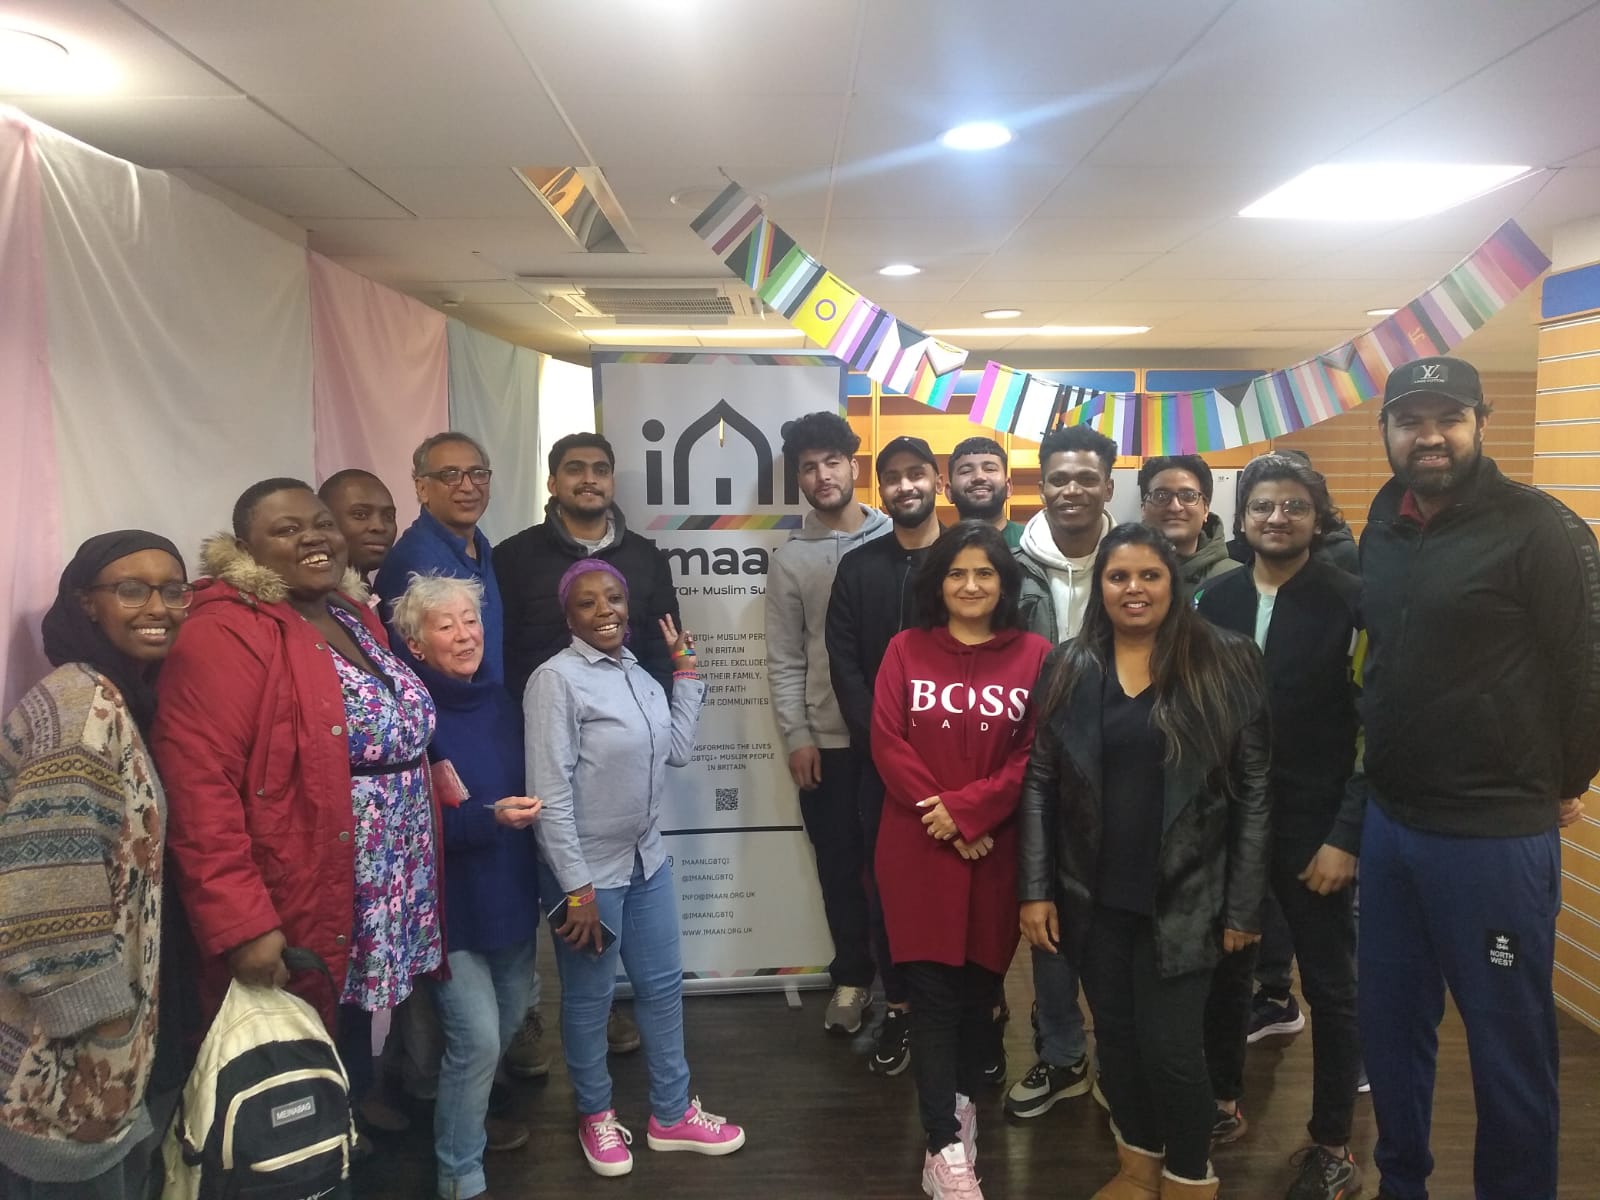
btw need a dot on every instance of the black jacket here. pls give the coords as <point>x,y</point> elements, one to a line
<point>1481,697</point>
<point>1312,695</point>
<point>1337,549</point>
<point>529,565</point>
<point>870,603</point>
<point>1212,870</point>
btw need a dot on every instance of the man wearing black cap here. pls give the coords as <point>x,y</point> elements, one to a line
<point>1482,717</point>
<point>870,603</point>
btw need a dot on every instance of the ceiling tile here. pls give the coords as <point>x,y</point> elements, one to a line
<point>452,192</point>
<point>664,129</point>
<point>307,192</point>
<point>167,132</point>
<point>1103,267</point>
<point>112,51</point>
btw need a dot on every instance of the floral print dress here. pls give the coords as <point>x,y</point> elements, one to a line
<point>389,721</point>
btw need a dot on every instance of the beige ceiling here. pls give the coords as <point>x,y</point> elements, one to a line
<point>387,130</point>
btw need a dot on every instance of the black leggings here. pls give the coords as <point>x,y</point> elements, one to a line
<point>1150,1034</point>
<point>952,1035</point>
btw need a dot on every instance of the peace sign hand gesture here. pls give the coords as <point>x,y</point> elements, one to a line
<point>680,644</point>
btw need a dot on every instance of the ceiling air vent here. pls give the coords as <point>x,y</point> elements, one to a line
<point>647,301</point>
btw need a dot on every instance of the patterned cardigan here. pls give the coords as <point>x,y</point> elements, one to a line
<point>82,825</point>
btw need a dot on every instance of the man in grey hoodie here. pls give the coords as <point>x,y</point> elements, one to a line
<point>820,448</point>
<point>1057,555</point>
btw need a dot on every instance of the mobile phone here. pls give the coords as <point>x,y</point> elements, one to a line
<point>557,917</point>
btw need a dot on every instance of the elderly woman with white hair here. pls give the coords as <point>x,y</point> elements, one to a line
<point>490,868</point>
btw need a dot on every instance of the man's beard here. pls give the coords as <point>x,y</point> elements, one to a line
<point>979,510</point>
<point>1279,554</point>
<point>838,503</point>
<point>1437,481</point>
<point>911,518</point>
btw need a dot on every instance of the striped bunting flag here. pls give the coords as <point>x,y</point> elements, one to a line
<point>727,219</point>
<point>995,404</point>
<point>824,308</point>
<point>753,258</point>
<point>1033,410</point>
<point>790,281</point>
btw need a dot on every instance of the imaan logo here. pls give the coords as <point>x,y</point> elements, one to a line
<point>724,417</point>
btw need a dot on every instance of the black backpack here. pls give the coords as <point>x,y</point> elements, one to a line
<point>265,1114</point>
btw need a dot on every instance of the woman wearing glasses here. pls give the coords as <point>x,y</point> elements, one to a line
<point>292,742</point>
<point>81,838</point>
<point>1142,853</point>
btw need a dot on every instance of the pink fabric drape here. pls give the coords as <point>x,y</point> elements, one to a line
<point>380,378</point>
<point>30,489</point>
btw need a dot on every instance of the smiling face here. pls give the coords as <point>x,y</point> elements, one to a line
<point>827,478</point>
<point>584,483</point>
<point>1136,589</point>
<point>365,512</point>
<point>1283,531</point>
<point>1432,442</point>
<point>457,506</point>
<point>1176,506</point>
<point>293,534</point>
<point>979,486</point>
<point>597,611</point>
<point>909,486</point>
<point>971,586</point>
<point>452,638</point>
<point>144,632</point>
<point>1075,488</point>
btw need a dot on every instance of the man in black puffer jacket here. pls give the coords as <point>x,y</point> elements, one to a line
<point>1482,715</point>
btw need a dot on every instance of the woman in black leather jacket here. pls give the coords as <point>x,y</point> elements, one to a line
<point>1143,833</point>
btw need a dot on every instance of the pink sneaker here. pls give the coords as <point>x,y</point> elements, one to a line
<point>605,1143</point>
<point>967,1120</point>
<point>697,1130</point>
<point>948,1175</point>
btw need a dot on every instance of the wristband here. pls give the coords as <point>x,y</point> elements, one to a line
<point>686,674</point>
<point>581,899</point>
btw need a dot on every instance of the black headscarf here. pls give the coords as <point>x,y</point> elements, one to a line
<point>70,636</point>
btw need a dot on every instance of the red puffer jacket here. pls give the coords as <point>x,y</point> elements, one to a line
<point>251,747</point>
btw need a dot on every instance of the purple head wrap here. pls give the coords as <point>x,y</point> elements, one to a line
<point>585,566</point>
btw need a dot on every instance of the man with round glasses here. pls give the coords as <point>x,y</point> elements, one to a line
<point>451,473</point>
<point>1304,614</point>
<point>1176,493</point>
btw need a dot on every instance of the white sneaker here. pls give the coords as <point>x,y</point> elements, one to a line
<point>846,1007</point>
<point>948,1175</point>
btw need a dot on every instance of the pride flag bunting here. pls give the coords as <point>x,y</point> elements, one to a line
<point>906,361</point>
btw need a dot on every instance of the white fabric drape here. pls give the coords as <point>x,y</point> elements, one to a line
<point>180,348</point>
<point>494,397</point>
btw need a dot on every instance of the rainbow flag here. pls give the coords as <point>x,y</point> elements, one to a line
<point>753,258</point>
<point>999,390</point>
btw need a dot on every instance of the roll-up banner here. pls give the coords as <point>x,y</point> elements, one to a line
<point>700,470</point>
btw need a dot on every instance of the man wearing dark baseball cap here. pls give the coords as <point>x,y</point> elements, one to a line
<point>1481,708</point>
<point>871,602</point>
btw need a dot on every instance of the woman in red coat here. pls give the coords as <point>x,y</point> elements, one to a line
<point>292,741</point>
<point>951,729</point>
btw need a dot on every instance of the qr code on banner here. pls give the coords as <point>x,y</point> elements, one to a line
<point>728,799</point>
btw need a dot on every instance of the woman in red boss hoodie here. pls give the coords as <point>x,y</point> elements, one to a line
<point>951,731</point>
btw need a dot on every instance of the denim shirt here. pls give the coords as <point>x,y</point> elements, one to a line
<point>600,735</point>
<point>427,546</point>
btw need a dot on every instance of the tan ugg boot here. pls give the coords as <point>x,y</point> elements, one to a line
<point>1175,1188</point>
<point>1138,1177</point>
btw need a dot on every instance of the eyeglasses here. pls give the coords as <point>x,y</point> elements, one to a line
<point>135,593</point>
<point>1294,510</point>
<point>451,476</point>
<point>1162,497</point>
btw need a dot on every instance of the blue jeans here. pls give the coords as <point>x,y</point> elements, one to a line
<point>1476,915</point>
<point>644,916</point>
<point>1055,992</point>
<point>480,1008</point>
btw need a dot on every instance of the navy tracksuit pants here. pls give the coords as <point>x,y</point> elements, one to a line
<point>1477,915</point>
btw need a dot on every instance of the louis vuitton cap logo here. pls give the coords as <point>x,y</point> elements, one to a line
<point>1451,378</point>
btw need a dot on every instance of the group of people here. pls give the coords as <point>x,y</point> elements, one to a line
<point>1124,744</point>
<point>1138,745</point>
<point>281,754</point>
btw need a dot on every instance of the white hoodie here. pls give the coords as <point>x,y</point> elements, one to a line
<point>1069,577</point>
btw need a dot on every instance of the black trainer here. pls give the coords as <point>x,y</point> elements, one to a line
<point>1324,1175</point>
<point>1272,1016</point>
<point>893,1051</point>
<point>1229,1126</point>
<point>1044,1084</point>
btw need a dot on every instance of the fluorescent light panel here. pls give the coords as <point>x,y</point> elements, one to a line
<point>897,269</point>
<point>629,334</point>
<point>1043,331</point>
<point>1380,191</point>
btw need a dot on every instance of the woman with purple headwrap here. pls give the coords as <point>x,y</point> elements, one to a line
<point>600,736</point>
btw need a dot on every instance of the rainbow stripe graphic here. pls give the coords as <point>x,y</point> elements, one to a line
<point>725,521</point>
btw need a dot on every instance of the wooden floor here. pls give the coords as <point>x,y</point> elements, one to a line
<point>820,1125</point>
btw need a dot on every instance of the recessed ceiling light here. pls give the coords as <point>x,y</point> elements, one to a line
<point>1381,312</point>
<point>29,60</point>
<point>899,269</point>
<point>1001,314</point>
<point>1044,331</point>
<point>1381,191</point>
<point>976,135</point>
